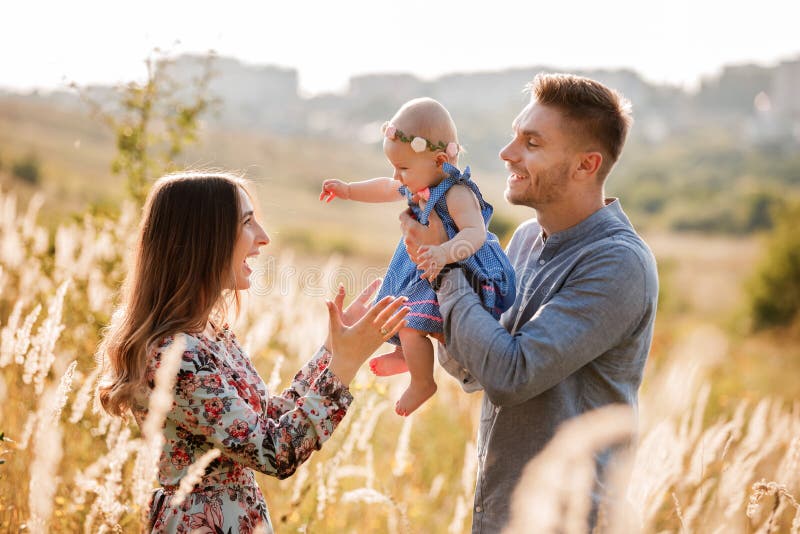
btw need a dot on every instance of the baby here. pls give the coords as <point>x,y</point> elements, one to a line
<point>421,144</point>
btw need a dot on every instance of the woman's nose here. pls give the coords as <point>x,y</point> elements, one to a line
<point>263,238</point>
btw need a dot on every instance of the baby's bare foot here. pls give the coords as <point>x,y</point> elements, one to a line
<point>414,396</point>
<point>391,363</point>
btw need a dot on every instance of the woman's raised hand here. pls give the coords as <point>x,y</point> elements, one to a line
<point>359,306</point>
<point>352,345</point>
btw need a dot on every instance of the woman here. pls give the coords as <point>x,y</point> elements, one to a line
<point>197,233</point>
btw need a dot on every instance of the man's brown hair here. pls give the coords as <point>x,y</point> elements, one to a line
<point>597,115</point>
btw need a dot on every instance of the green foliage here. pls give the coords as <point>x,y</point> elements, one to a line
<point>153,124</point>
<point>27,169</point>
<point>775,288</point>
<point>705,182</point>
<point>670,300</point>
<point>503,227</point>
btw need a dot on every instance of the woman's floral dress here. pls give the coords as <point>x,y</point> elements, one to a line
<point>221,402</point>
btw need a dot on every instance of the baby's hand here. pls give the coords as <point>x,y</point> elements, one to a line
<point>432,260</point>
<point>334,188</point>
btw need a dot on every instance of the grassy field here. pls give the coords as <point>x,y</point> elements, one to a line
<point>719,433</point>
<point>709,430</point>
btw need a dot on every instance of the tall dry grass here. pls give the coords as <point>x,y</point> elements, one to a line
<point>70,468</point>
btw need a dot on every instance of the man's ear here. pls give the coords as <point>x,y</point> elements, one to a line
<point>589,164</point>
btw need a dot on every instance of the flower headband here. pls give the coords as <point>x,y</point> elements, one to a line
<point>418,144</point>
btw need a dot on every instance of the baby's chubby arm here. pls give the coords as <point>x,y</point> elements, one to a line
<point>466,213</point>
<point>374,190</point>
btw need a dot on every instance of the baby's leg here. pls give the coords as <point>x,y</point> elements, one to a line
<point>418,351</point>
<point>394,363</point>
<point>391,363</point>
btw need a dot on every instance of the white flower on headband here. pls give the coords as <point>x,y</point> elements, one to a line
<point>451,150</point>
<point>418,144</point>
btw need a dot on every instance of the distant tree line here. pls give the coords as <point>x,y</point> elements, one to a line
<point>706,182</point>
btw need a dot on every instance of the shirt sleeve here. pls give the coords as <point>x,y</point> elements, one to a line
<point>603,300</point>
<point>277,405</point>
<point>456,370</point>
<point>207,404</point>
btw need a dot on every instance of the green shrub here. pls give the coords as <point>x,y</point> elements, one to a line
<point>27,169</point>
<point>775,288</point>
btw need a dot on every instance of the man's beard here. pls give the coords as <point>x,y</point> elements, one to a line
<point>550,188</point>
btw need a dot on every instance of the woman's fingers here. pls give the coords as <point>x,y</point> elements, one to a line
<point>386,315</point>
<point>376,308</point>
<point>339,298</point>
<point>334,317</point>
<point>400,323</point>
<point>356,310</point>
<point>369,291</point>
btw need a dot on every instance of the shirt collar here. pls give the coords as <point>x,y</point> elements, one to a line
<point>611,212</point>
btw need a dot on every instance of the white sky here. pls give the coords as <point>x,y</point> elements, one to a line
<point>45,43</point>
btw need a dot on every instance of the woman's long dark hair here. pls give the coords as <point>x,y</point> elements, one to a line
<point>181,267</point>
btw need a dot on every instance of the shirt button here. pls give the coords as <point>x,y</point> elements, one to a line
<point>478,509</point>
<point>541,262</point>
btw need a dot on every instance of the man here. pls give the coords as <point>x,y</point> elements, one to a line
<point>579,332</point>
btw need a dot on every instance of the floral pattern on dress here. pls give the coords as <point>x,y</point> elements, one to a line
<point>221,402</point>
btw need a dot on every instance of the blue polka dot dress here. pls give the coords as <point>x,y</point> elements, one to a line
<point>488,270</point>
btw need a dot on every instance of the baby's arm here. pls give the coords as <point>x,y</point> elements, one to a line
<point>374,190</point>
<point>466,213</point>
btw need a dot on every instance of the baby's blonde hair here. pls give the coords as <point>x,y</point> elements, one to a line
<point>426,117</point>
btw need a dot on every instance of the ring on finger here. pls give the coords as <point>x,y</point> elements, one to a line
<point>384,332</point>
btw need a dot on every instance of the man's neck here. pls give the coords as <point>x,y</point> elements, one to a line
<point>554,218</point>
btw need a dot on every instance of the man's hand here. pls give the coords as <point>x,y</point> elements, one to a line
<point>416,235</point>
<point>334,188</point>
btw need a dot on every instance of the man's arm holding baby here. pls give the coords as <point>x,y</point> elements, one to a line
<point>382,189</point>
<point>466,213</point>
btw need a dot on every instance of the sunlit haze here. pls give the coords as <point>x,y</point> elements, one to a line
<point>48,43</point>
